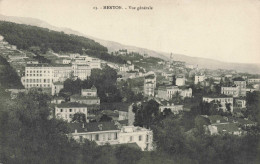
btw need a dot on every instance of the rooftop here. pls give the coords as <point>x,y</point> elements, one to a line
<point>151,76</point>
<point>120,106</point>
<point>79,97</point>
<point>71,105</point>
<point>92,127</point>
<point>238,79</point>
<point>217,96</point>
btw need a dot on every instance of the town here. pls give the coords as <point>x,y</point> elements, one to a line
<point>144,102</point>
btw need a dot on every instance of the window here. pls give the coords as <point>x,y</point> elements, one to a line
<point>115,136</point>
<point>131,138</point>
<point>80,138</point>
<point>109,136</point>
<point>70,110</point>
<point>61,110</point>
<point>140,138</point>
<point>97,137</point>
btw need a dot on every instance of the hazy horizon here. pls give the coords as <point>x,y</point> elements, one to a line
<point>228,31</point>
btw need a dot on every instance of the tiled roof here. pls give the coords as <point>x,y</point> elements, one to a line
<point>92,127</point>
<point>115,106</point>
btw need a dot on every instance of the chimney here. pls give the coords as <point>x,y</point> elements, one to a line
<point>100,126</point>
<point>76,131</point>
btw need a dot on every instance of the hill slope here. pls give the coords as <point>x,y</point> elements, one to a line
<point>114,46</point>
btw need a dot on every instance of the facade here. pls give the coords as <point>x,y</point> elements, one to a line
<point>253,81</point>
<point>174,108</point>
<point>180,80</point>
<point>233,91</point>
<point>43,75</point>
<point>199,78</point>
<point>239,89</point>
<point>223,100</point>
<point>126,68</point>
<point>141,136</point>
<point>167,92</point>
<point>56,87</point>
<point>149,85</point>
<point>66,111</point>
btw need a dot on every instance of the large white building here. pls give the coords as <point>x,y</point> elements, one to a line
<point>66,111</point>
<point>108,132</point>
<point>180,80</point>
<point>167,92</point>
<point>239,88</point>
<point>176,109</point>
<point>222,99</point>
<point>43,75</point>
<point>253,81</point>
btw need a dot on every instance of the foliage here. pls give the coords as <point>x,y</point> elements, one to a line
<point>146,115</point>
<point>8,76</point>
<point>105,118</point>
<point>40,40</point>
<point>128,155</point>
<point>79,118</point>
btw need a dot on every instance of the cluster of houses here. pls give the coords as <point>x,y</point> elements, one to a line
<point>121,130</point>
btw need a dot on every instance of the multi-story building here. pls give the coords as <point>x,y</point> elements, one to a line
<point>92,92</point>
<point>149,84</point>
<point>108,132</point>
<point>66,111</point>
<point>43,75</point>
<point>56,87</point>
<point>239,89</point>
<point>253,81</point>
<point>222,99</point>
<point>199,78</point>
<point>180,80</point>
<point>167,92</point>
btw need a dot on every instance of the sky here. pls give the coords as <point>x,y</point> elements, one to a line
<point>225,30</point>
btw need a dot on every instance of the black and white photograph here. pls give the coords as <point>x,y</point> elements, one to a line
<point>129,82</point>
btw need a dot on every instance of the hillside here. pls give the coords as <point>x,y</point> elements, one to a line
<point>40,40</point>
<point>114,46</point>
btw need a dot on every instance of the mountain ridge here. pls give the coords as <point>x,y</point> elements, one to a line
<point>115,46</point>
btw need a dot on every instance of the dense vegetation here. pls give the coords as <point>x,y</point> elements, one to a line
<point>104,80</point>
<point>8,76</point>
<point>182,138</point>
<point>40,40</point>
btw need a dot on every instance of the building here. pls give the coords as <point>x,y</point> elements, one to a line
<point>149,84</point>
<point>233,91</point>
<point>199,78</point>
<point>240,103</point>
<point>126,68</point>
<point>56,87</point>
<point>167,92</point>
<point>180,80</point>
<point>141,136</point>
<point>239,89</point>
<point>253,81</point>
<point>92,92</point>
<point>109,133</point>
<point>88,97</point>
<point>43,75</point>
<point>66,111</point>
<point>174,108</point>
<point>222,99</point>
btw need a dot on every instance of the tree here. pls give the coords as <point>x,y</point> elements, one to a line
<point>128,155</point>
<point>145,115</point>
<point>105,118</point>
<point>79,118</point>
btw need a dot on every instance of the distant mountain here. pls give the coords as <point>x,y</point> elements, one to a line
<point>114,46</point>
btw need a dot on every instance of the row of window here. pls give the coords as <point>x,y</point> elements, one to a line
<point>37,85</point>
<point>99,137</point>
<point>38,80</point>
<point>72,110</point>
